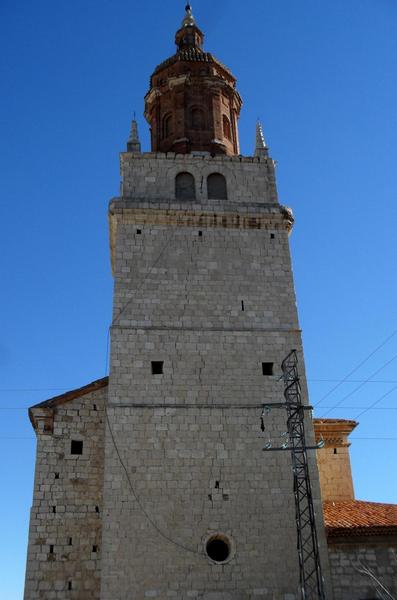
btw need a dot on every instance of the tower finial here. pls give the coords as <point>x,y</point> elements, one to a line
<point>261,148</point>
<point>133,144</point>
<point>188,20</point>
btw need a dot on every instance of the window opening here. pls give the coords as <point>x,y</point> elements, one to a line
<point>76,447</point>
<point>242,305</point>
<point>139,231</point>
<point>267,368</point>
<point>56,475</point>
<point>185,187</point>
<point>51,549</point>
<point>70,585</point>
<point>200,234</point>
<point>218,549</point>
<point>227,131</point>
<point>70,542</point>
<point>197,118</point>
<point>54,509</point>
<point>95,548</point>
<point>335,451</point>
<point>272,236</point>
<point>157,367</point>
<point>167,126</point>
<point>216,186</point>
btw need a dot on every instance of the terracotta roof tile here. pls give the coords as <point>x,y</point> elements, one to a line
<point>72,394</point>
<point>357,518</point>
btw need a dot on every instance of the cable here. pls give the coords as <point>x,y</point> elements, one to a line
<point>371,406</point>
<point>148,517</point>
<point>107,351</point>
<point>18,438</point>
<point>357,367</point>
<point>66,388</point>
<point>359,386</point>
<point>145,278</point>
<point>20,390</point>
<point>374,439</point>
<point>352,381</point>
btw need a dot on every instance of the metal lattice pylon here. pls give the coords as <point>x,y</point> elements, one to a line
<point>311,581</point>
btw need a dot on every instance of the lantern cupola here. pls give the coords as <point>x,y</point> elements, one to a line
<point>193,104</point>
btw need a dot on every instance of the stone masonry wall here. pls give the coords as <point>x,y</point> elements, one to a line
<point>209,293</point>
<point>196,472</point>
<point>65,524</point>
<point>335,473</point>
<point>380,558</point>
<point>151,176</point>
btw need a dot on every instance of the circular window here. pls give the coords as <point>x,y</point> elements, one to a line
<point>218,548</point>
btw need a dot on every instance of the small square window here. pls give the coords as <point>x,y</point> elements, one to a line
<point>157,367</point>
<point>139,231</point>
<point>272,236</point>
<point>267,368</point>
<point>76,447</point>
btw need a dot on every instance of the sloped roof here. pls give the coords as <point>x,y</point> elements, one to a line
<point>191,55</point>
<point>45,410</point>
<point>350,518</point>
<point>72,394</point>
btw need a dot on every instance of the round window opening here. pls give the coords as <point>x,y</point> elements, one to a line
<point>218,549</point>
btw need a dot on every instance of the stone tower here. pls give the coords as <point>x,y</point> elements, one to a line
<point>152,483</point>
<point>204,312</point>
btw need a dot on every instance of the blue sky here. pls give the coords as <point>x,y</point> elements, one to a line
<point>320,75</point>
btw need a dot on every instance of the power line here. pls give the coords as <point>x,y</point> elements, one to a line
<point>66,388</point>
<point>352,381</point>
<point>357,368</point>
<point>374,439</point>
<point>352,439</point>
<point>146,514</point>
<point>145,278</point>
<point>364,408</point>
<point>359,386</point>
<point>17,438</point>
<point>34,389</point>
<point>371,406</point>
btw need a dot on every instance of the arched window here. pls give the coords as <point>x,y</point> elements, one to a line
<point>167,126</point>
<point>216,186</point>
<point>185,188</point>
<point>227,131</point>
<point>197,120</point>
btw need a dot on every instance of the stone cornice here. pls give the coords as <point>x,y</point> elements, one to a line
<point>239,216</point>
<point>334,432</point>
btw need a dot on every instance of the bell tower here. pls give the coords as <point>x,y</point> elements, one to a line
<point>193,104</point>
<point>204,313</point>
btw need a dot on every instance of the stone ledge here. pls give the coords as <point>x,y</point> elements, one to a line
<point>268,217</point>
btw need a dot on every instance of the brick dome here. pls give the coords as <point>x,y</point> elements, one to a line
<point>192,104</point>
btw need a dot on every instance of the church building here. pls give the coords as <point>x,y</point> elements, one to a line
<point>160,480</point>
